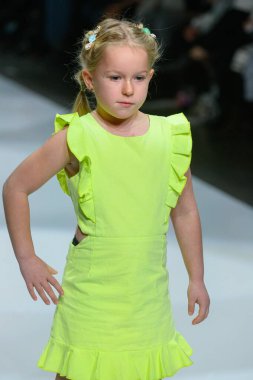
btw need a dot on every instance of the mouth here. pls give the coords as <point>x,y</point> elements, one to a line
<point>126,103</point>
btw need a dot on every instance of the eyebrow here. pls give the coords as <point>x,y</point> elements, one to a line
<point>119,72</point>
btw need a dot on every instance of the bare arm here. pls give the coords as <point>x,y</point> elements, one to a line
<point>30,175</point>
<point>187,226</point>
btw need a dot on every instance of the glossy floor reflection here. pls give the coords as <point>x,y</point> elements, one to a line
<point>222,344</point>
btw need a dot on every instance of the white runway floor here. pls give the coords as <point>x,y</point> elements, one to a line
<point>222,344</point>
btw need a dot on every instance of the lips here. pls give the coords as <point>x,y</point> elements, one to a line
<point>126,103</point>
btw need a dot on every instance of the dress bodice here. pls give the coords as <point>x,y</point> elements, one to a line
<point>126,185</point>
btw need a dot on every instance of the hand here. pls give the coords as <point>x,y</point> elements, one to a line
<point>197,293</point>
<point>38,274</point>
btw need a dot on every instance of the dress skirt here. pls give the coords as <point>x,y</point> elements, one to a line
<point>114,321</point>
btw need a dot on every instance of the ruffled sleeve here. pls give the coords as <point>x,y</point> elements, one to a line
<point>75,137</point>
<point>179,157</point>
<point>79,186</point>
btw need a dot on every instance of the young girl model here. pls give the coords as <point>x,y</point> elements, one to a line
<point>126,172</point>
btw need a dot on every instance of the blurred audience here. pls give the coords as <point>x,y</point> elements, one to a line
<point>21,25</point>
<point>207,64</point>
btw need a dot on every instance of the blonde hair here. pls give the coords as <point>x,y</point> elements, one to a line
<point>110,31</point>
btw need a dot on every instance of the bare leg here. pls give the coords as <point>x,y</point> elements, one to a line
<point>58,377</point>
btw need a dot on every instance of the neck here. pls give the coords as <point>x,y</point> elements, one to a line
<point>112,122</point>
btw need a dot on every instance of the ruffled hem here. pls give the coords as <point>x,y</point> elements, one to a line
<point>87,364</point>
<point>180,156</point>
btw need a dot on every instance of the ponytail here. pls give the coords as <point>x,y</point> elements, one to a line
<point>81,104</point>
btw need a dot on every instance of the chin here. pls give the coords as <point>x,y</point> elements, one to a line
<point>119,114</point>
<point>123,113</point>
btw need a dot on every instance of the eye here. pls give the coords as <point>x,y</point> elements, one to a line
<point>140,77</point>
<point>114,77</point>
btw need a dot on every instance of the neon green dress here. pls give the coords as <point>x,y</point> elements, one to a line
<point>115,321</point>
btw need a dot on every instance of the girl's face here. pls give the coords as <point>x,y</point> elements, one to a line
<point>120,81</point>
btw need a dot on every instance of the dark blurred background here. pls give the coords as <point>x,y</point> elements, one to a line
<point>206,70</point>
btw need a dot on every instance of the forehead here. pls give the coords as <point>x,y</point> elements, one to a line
<point>119,57</point>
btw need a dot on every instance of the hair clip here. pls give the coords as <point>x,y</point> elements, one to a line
<point>145,30</point>
<point>91,35</point>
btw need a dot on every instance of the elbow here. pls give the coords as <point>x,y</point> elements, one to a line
<point>11,194</point>
<point>13,184</point>
<point>6,189</point>
<point>183,211</point>
<point>9,188</point>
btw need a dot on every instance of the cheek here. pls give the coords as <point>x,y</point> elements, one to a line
<point>111,91</point>
<point>105,87</point>
<point>143,88</point>
<point>105,94</point>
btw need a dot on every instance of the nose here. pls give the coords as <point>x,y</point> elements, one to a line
<point>127,88</point>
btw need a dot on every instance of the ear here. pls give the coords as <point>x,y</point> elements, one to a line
<point>87,78</point>
<point>151,73</point>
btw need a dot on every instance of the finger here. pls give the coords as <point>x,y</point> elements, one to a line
<point>191,307</point>
<point>31,291</point>
<point>52,270</point>
<point>42,293</point>
<point>50,292</point>
<point>201,315</point>
<point>207,312</point>
<point>56,284</point>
